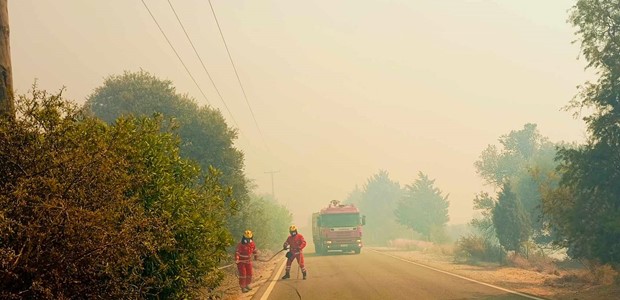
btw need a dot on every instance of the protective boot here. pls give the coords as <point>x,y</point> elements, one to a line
<point>304,272</point>
<point>286,276</point>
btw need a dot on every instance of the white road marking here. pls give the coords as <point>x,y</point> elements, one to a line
<point>458,276</point>
<point>273,282</point>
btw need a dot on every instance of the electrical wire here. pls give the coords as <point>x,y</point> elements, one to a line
<point>175,52</point>
<point>202,63</point>
<point>238,78</point>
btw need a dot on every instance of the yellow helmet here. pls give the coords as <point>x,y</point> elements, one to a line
<point>248,234</point>
<point>292,228</point>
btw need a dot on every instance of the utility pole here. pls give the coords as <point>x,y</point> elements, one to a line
<point>273,195</point>
<point>6,74</point>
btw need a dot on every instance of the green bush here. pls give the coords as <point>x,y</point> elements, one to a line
<point>476,248</point>
<point>268,220</point>
<point>89,210</point>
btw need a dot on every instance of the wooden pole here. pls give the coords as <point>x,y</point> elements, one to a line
<point>273,193</point>
<point>7,106</point>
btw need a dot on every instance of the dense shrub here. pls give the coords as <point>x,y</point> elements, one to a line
<point>89,210</point>
<point>268,220</point>
<point>204,135</point>
<point>475,248</point>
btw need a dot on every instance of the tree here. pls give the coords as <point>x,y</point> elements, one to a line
<point>423,208</point>
<point>586,205</point>
<point>205,136</point>
<point>268,220</point>
<point>380,195</point>
<point>484,203</point>
<point>496,166</point>
<point>355,196</point>
<point>510,221</point>
<point>89,210</point>
<point>193,210</point>
<point>524,160</point>
<point>66,227</point>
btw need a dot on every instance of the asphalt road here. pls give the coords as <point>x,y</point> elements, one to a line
<point>373,275</point>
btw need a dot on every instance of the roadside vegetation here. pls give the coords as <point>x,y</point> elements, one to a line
<point>141,193</point>
<point>138,194</point>
<point>547,203</point>
<point>568,193</point>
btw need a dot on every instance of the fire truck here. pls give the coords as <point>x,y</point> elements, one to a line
<point>337,227</point>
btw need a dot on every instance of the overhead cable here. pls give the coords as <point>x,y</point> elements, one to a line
<point>175,52</point>
<point>237,74</point>
<point>202,63</point>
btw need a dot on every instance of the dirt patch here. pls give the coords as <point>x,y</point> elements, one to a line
<point>545,283</point>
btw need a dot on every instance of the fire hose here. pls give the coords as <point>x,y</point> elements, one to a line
<point>272,257</point>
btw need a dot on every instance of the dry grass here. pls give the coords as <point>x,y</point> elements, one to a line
<point>423,246</point>
<point>538,275</point>
<point>538,263</point>
<point>604,275</point>
<point>410,245</point>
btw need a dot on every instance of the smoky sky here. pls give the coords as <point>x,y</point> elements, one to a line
<point>339,89</point>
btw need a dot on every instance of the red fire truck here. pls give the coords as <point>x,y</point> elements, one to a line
<point>337,227</point>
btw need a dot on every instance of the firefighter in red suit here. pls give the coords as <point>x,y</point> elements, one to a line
<point>295,243</point>
<point>245,250</point>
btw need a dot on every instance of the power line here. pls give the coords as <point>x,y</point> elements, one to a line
<point>175,52</point>
<point>237,74</point>
<point>202,63</point>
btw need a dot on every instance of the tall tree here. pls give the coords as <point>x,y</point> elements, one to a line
<point>484,203</point>
<point>205,136</point>
<point>268,220</point>
<point>355,196</point>
<point>497,165</point>
<point>510,221</point>
<point>423,208</point>
<point>380,195</point>
<point>586,206</point>
<point>524,160</point>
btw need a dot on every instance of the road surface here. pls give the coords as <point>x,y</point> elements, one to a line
<point>373,275</point>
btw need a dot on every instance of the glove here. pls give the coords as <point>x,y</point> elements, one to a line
<point>236,262</point>
<point>284,247</point>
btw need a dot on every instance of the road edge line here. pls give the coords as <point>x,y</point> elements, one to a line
<point>458,276</point>
<point>267,292</point>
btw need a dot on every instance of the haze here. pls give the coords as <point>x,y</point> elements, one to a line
<point>340,89</point>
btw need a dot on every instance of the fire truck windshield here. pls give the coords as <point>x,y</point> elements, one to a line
<point>340,220</point>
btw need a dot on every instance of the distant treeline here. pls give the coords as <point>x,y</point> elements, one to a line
<point>546,194</point>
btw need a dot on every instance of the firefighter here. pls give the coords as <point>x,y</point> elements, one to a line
<point>295,243</point>
<point>245,249</point>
